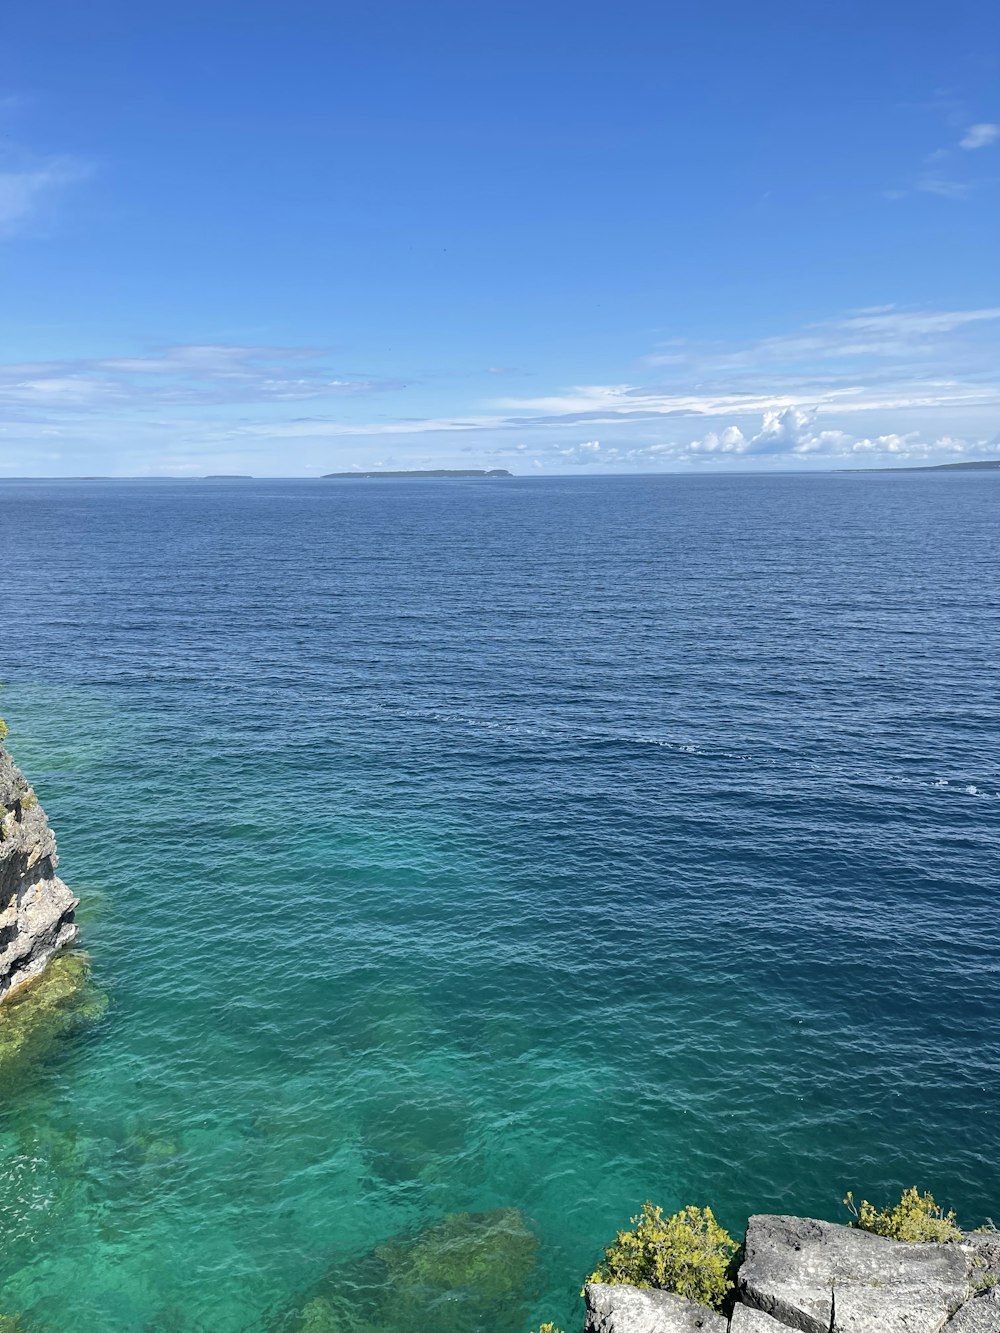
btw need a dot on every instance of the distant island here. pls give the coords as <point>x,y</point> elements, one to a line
<point>983,465</point>
<point>228,476</point>
<point>425,472</point>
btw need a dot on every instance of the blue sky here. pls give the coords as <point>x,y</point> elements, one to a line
<point>552,237</point>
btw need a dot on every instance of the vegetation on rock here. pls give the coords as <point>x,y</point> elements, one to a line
<point>688,1253</point>
<point>915,1218</point>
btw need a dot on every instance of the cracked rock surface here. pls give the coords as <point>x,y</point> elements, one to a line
<point>36,907</point>
<point>819,1277</point>
<point>622,1309</point>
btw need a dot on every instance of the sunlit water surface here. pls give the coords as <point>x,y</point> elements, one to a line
<point>528,845</point>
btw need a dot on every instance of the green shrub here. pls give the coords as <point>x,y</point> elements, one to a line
<point>548,1328</point>
<point>688,1253</point>
<point>26,795</point>
<point>915,1218</point>
<point>981,1279</point>
<point>4,732</point>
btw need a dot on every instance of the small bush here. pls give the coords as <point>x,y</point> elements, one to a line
<point>981,1279</point>
<point>915,1218</point>
<point>4,731</point>
<point>548,1328</point>
<point>688,1253</point>
<point>26,795</point>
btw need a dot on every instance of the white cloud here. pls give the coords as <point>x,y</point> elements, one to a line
<point>581,454</point>
<point>788,437</point>
<point>24,191</point>
<point>980,136</point>
<point>944,188</point>
<point>205,373</point>
<point>878,333</point>
<point>728,441</point>
<point>873,383</point>
<point>790,430</point>
<point>919,323</point>
<point>793,433</point>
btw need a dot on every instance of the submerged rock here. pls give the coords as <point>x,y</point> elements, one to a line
<point>36,907</point>
<point>624,1309</point>
<point>37,1016</point>
<point>467,1273</point>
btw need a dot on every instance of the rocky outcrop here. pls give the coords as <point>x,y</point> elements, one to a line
<point>36,907</point>
<point>818,1277</point>
<point>620,1309</point>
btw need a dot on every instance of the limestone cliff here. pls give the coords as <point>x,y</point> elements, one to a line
<point>36,907</point>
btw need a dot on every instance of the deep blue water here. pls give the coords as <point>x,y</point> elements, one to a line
<point>540,844</point>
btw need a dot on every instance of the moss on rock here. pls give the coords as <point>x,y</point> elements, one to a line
<point>39,1015</point>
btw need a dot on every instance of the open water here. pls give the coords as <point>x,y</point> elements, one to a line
<point>541,845</point>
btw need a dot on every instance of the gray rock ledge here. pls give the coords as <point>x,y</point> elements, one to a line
<point>817,1277</point>
<point>621,1309</point>
<point>823,1278</point>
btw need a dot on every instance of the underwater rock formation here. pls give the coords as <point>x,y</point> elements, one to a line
<point>36,907</point>
<point>36,1019</point>
<point>468,1271</point>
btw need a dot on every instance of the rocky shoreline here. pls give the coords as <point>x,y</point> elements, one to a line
<point>818,1277</point>
<point>36,907</point>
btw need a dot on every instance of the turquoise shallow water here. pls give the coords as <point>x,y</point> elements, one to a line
<point>543,845</point>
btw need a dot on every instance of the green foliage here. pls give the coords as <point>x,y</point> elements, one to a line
<point>688,1253</point>
<point>26,795</point>
<point>4,733</point>
<point>548,1328</point>
<point>915,1218</point>
<point>982,1279</point>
